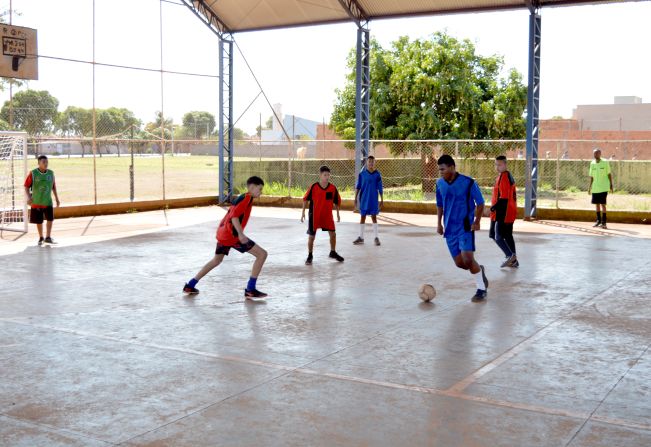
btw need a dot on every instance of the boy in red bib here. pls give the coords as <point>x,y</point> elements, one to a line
<point>230,234</point>
<point>504,209</point>
<point>322,196</point>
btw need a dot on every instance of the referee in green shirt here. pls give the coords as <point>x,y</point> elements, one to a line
<point>601,181</point>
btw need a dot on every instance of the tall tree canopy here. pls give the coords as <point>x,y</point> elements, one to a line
<point>34,111</point>
<point>435,88</point>
<point>199,124</point>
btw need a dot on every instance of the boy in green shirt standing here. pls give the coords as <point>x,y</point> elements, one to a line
<point>39,187</point>
<point>601,181</point>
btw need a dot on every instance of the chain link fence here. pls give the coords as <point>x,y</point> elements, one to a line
<point>409,168</point>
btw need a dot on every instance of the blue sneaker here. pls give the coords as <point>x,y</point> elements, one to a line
<point>480,296</point>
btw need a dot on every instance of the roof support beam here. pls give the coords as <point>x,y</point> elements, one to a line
<point>362,97</point>
<point>355,11</point>
<point>207,16</point>
<point>533,113</point>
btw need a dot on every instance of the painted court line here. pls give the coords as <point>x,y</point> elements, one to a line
<point>451,392</point>
<point>526,343</point>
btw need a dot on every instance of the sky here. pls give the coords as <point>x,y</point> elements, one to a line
<point>589,54</point>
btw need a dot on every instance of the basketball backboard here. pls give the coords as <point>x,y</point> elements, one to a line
<point>19,52</point>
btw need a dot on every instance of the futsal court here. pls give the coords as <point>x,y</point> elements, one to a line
<point>99,346</point>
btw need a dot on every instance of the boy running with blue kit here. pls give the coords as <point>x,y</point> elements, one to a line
<point>460,205</point>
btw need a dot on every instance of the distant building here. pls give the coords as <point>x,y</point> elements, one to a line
<point>626,113</point>
<point>296,127</point>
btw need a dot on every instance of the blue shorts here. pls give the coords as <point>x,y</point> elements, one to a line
<point>458,242</point>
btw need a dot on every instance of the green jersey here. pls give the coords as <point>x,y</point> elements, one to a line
<point>42,183</point>
<point>599,172</point>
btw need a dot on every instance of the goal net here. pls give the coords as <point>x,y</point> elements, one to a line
<point>13,170</point>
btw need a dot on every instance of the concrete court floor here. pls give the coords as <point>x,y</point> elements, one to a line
<point>99,347</point>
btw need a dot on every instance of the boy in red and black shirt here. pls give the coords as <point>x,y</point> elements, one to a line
<point>504,209</point>
<point>322,196</point>
<point>230,234</point>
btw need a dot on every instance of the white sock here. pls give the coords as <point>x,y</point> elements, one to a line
<point>479,280</point>
<point>375,229</point>
<point>361,230</point>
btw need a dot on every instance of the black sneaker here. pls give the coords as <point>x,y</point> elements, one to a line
<point>49,240</point>
<point>604,226</point>
<point>483,277</point>
<point>308,261</point>
<point>255,293</point>
<point>358,241</point>
<point>597,224</point>
<point>377,241</point>
<point>516,264</point>
<point>480,295</point>
<point>40,241</point>
<point>190,290</point>
<point>335,255</point>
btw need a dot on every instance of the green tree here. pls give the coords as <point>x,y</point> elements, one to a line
<point>199,124</point>
<point>77,122</point>
<point>434,88</point>
<point>34,111</point>
<point>267,125</point>
<point>112,124</point>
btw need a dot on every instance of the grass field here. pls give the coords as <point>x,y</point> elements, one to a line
<point>198,176</point>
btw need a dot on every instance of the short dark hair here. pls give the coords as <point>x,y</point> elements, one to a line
<point>255,180</point>
<point>42,157</point>
<point>446,160</point>
<point>323,169</point>
<point>501,158</point>
<point>370,157</point>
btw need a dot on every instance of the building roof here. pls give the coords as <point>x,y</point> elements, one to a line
<point>250,15</point>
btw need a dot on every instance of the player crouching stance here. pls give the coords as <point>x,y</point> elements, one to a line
<point>230,234</point>
<point>460,205</point>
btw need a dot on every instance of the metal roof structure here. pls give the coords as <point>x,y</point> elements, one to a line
<point>232,16</point>
<point>226,17</point>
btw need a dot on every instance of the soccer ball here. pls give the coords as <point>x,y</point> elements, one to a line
<point>427,292</point>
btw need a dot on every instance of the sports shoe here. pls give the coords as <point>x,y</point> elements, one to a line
<point>49,240</point>
<point>377,241</point>
<point>516,264</point>
<point>255,293</point>
<point>480,295</point>
<point>190,290</point>
<point>597,224</point>
<point>335,255</point>
<point>483,277</point>
<point>40,241</point>
<point>604,226</point>
<point>358,241</point>
<point>308,261</point>
<point>509,261</point>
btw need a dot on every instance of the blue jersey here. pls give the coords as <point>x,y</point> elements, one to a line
<point>459,200</point>
<point>369,185</point>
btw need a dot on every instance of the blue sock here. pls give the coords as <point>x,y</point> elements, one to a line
<point>251,284</point>
<point>193,282</point>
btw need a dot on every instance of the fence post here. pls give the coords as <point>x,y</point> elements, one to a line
<point>289,168</point>
<point>558,171</point>
<point>456,149</point>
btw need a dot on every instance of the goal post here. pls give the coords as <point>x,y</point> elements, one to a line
<point>13,170</point>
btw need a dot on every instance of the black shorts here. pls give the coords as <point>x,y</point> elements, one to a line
<point>38,215</point>
<point>599,198</point>
<point>500,229</point>
<point>312,232</point>
<point>242,248</point>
